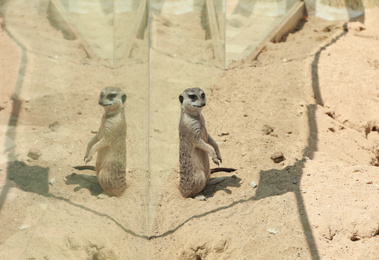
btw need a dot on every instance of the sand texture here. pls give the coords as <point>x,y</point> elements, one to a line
<point>314,98</point>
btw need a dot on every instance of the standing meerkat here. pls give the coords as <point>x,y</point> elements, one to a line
<point>195,145</point>
<point>109,143</point>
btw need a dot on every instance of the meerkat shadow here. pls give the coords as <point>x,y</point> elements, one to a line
<point>84,181</point>
<point>29,178</point>
<point>211,190</point>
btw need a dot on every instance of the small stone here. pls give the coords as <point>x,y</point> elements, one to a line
<point>253,184</point>
<point>52,181</point>
<point>24,226</point>
<point>358,169</point>
<point>278,157</point>
<point>294,182</point>
<point>356,26</point>
<point>54,126</point>
<point>234,176</point>
<point>369,182</point>
<point>267,129</point>
<point>34,153</point>
<point>272,231</point>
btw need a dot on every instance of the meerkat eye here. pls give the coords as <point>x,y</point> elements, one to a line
<point>202,95</point>
<point>111,96</point>
<point>192,96</point>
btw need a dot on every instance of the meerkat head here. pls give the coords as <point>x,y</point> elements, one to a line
<point>192,100</point>
<point>112,99</point>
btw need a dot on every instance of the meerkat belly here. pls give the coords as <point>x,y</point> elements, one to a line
<point>201,161</point>
<point>203,156</point>
<point>102,158</point>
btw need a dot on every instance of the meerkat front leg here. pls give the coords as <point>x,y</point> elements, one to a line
<point>213,143</point>
<point>200,144</point>
<point>89,146</point>
<point>96,147</point>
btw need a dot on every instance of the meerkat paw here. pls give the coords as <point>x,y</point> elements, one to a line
<point>219,158</point>
<point>200,198</point>
<point>103,196</point>
<point>87,159</point>
<point>215,181</point>
<point>215,160</point>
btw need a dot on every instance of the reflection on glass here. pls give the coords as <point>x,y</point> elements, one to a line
<point>58,56</point>
<point>187,50</point>
<point>249,22</point>
<point>341,10</point>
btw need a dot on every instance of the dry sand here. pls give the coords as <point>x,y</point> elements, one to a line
<point>318,91</point>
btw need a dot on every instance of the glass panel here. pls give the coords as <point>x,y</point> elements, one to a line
<point>56,57</point>
<point>249,22</point>
<point>187,50</point>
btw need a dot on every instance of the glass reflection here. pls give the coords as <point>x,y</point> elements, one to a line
<point>59,55</point>
<point>249,22</point>
<point>187,50</point>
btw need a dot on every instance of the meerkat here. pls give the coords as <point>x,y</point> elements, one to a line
<point>109,143</point>
<point>195,145</point>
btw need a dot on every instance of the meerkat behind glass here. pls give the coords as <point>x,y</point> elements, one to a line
<point>110,143</point>
<point>195,144</point>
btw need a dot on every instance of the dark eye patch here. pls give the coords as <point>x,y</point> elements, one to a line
<point>111,96</point>
<point>202,95</point>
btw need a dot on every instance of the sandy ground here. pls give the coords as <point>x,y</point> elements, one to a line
<point>317,92</point>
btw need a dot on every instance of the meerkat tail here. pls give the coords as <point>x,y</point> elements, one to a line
<point>85,167</point>
<point>222,170</point>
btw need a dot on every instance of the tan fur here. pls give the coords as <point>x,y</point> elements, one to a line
<point>109,143</point>
<point>195,144</point>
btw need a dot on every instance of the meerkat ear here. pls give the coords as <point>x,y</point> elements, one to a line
<point>123,98</point>
<point>181,99</point>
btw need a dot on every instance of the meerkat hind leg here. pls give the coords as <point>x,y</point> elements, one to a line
<point>213,181</point>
